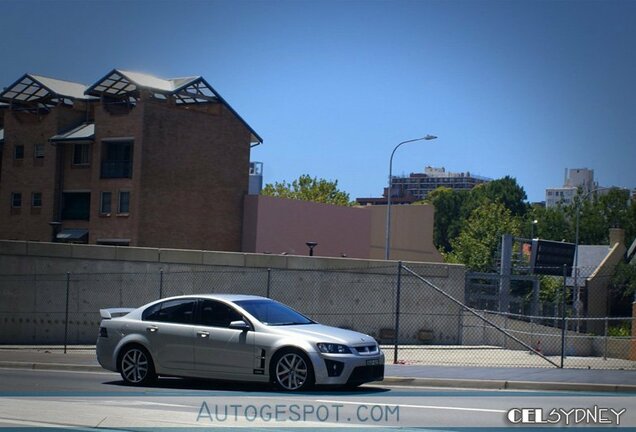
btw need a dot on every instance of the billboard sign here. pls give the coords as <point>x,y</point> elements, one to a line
<point>548,257</point>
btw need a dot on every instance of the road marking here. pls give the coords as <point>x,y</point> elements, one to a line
<point>142,403</point>
<point>40,424</point>
<point>412,406</point>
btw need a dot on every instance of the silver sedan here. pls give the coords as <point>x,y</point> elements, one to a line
<point>233,337</point>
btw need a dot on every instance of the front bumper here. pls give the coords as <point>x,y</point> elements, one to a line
<point>341,369</point>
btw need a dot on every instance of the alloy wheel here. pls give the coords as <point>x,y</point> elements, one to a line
<point>134,366</point>
<point>292,371</point>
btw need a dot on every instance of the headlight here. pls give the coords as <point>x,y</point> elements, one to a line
<point>333,348</point>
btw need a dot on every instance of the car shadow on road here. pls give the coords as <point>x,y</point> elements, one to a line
<point>190,384</point>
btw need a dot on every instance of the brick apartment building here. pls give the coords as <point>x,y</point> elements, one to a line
<point>131,160</point>
<point>417,186</point>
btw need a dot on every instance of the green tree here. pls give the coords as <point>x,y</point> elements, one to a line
<point>622,289</point>
<point>598,214</point>
<point>551,289</point>
<point>309,188</point>
<point>593,229</point>
<point>506,191</point>
<point>624,280</point>
<point>481,234</point>
<point>615,207</point>
<point>453,208</point>
<point>630,226</point>
<point>448,215</point>
<point>552,223</point>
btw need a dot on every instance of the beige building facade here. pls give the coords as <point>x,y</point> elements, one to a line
<point>283,226</point>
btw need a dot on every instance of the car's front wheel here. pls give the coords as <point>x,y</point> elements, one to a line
<point>136,367</point>
<point>292,371</point>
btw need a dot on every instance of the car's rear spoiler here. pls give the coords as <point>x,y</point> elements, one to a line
<point>114,312</point>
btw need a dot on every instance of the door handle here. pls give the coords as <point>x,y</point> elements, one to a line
<point>152,329</point>
<point>203,334</point>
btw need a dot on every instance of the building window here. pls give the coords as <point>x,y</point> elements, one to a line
<point>18,152</point>
<point>76,205</point>
<point>81,154</point>
<point>38,151</point>
<point>16,199</point>
<point>124,202</point>
<point>117,159</point>
<point>36,199</point>
<point>105,204</point>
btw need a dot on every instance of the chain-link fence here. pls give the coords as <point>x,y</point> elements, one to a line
<point>421,314</point>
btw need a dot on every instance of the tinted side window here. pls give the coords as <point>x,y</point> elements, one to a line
<point>172,311</point>
<point>216,314</point>
<point>151,313</point>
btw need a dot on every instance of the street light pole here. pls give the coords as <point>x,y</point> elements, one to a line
<point>387,247</point>
<point>534,222</point>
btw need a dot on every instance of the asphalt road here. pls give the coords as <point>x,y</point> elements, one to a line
<point>100,400</point>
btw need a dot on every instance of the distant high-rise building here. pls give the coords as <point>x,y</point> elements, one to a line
<point>415,187</point>
<point>575,178</point>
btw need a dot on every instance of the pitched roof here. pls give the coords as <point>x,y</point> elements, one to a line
<point>185,90</point>
<point>119,82</point>
<point>590,257</point>
<point>84,132</point>
<point>36,88</point>
<point>61,87</point>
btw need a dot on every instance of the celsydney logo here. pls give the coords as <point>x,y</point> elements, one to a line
<point>593,415</point>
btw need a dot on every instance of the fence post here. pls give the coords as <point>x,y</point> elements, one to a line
<point>397,313</point>
<point>460,327</point>
<point>606,341</point>
<point>269,281</point>
<point>565,276</point>
<point>68,286</point>
<point>160,284</point>
<point>505,327</point>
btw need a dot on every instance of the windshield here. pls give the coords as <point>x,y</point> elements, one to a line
<point>273,313</point>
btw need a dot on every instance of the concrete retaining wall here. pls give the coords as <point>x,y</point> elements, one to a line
<point>353,293</point>
<point>546,338</point>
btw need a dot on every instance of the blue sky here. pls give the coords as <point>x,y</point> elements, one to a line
<point>520,88</point>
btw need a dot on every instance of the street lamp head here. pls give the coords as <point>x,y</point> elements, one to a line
<point>387,246</point>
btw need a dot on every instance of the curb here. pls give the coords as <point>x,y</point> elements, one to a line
<point>51,366</point>
<point>392,380</point>
<point>509,385</point>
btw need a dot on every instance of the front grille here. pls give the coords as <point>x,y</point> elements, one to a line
<point>363,374</point>
<point>367,349</point>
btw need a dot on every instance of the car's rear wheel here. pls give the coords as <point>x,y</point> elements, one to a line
<point>292,371</point>
<point>136,366</point>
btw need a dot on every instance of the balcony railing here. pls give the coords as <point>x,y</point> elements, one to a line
<point>117,169</point>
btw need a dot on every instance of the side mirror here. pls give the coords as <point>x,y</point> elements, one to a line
<point>240,325</point>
